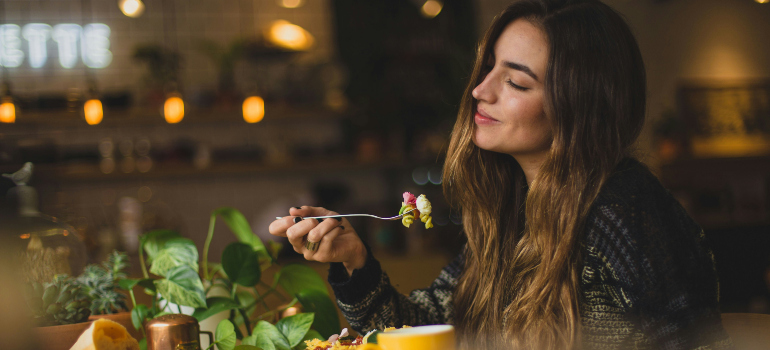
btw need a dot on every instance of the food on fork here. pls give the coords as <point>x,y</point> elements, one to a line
<point>422,209</point>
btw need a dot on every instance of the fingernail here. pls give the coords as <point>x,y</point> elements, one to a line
<point>297,220</point>
<point>338,218</point>
<point>320,220</point>
<point>297,207</point>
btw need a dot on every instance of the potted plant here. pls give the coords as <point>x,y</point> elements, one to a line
<point>225,58</point>
<point>60,310</point>
<point>174,260</point>
<point>163,66</point>
<point>101,283</point>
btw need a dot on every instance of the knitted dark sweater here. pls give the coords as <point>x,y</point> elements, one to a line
<point>647,281</point>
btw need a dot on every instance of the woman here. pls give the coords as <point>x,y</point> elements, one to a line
<point>571,243</point>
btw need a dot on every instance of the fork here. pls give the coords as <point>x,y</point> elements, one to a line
<point>349,215</point>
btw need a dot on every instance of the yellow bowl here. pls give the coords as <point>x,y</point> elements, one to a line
<point>437,337</point>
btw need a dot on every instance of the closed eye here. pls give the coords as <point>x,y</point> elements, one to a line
<point>517,87</point>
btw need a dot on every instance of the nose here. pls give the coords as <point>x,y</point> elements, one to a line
<point>483,91</point>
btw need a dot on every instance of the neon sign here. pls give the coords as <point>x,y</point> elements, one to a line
<point>94,44</point>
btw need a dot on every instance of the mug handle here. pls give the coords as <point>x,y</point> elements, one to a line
<point>211,336</point>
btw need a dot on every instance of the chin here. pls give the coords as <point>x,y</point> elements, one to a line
<point>484,144</point>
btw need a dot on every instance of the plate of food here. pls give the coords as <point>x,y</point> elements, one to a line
<point>345,341</point>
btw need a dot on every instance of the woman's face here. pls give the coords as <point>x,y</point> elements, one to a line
<point>509,112</point>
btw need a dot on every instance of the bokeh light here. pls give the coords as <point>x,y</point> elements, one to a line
<point>420,176</point>
<point>291,4</point>
<point>289,36</point>
<point>7,111</point>
<point>253,109</point>
<point>431,8</point>
<point>173,109</point>
<point>93,111</point>
<point>131,8</point>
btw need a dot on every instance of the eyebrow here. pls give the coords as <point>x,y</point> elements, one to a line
<point>521,67</point>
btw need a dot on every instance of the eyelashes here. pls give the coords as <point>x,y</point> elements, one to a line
<point>517,87</point>
<point>487,68</point>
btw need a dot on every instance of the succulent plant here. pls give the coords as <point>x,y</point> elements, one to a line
<point>60,302</point>
<point>100,283</point>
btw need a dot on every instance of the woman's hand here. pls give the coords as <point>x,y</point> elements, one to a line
<point>338,240</point>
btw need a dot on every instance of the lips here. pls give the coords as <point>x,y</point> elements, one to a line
<point>482,118</point>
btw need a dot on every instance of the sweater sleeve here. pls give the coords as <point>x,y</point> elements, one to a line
<point>369,301</point>
<point>663,269</point>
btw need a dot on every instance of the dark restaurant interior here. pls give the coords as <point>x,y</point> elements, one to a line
<point>150,115</point>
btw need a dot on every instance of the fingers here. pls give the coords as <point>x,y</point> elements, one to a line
<point>300,231</point>
<point>318,232</point>
<point>307,210</point>
<point>279,227</point>
<point>325,253</point>
<point>297,232</point>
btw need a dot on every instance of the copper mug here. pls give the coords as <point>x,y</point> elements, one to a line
<point>174,332</point>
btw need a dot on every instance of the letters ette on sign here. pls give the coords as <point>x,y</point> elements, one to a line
<point>94,40</point>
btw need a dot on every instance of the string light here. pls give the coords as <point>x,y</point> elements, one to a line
<point>131,8</point>
<point>93,111</point>
<point>762,1</point>
<point>7,111</point>
<point>253,109</point>
<point>173,109</point>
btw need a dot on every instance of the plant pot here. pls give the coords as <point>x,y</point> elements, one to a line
<point>60,337</point>
<point>124,319</point>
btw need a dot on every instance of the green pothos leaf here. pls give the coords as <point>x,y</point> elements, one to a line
<point>215,305</point>
<point>250,340</point>
<point>326,320</point>
<point>182,286</point>
<point>247,347</point>
<point>225,335</point>
<point>296,277</point>
<point>295,327</point>
<point>269,335</point>
<point>154,241</point>
<point>241,264</point>
<point>177,252</point>
<point>138,315</point>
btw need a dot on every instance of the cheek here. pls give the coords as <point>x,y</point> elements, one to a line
<point>531,123</point>
<point>528,114</point>
<point>540,128</point>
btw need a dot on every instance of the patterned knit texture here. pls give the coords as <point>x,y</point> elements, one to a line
<point>647,281</point>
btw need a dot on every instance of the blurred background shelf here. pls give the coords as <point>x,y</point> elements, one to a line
<point>171,171</point>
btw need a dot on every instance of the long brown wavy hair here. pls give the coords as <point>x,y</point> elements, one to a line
<point>520,287</point>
